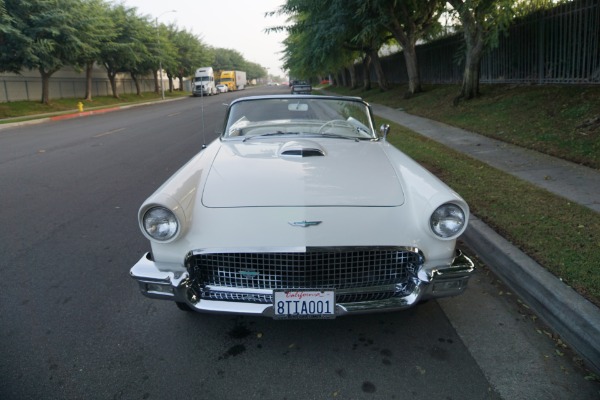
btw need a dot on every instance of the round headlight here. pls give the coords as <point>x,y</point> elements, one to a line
<point>160,223</point>
<point>447,220</point>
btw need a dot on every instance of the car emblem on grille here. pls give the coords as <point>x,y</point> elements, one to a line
<point>249,274</point>
<point>305,223</point>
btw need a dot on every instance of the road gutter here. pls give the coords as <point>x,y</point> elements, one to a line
<point>570,315</point>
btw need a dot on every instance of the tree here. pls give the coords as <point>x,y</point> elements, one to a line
<point>191,54</point>
<point>370,36</point>
<point>42,35</point>
<point>14,43</point>
<point>409,21</point>
<point>330,35</point>
<point>482,21</point>
<point>228,59</point>
<point>316,36</point>
<point>141,31</point>
<point>255,71</point>
<point>95,29</point>
<point>169,52</point>
<point>119,54</point>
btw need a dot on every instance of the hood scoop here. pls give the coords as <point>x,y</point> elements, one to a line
<point>304,148</point>
<point>301,173</point>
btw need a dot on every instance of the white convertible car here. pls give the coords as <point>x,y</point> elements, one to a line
<point>301,210</point>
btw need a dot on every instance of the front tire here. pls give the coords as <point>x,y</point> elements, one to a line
<point>183,306</point>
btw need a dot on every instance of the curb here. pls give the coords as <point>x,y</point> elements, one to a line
<point>573,317</point>
<point>76,114</point>
<point>84,113</point>
<point>59,117</point>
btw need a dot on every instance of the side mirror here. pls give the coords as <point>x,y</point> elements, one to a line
<point>384,129</point>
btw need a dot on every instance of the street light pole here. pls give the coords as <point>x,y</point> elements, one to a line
<point>162,88</point>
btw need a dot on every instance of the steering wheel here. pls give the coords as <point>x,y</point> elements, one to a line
<point>333,122</point>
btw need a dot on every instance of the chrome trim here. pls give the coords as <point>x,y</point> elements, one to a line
<point>238,290</point>
<point>147,272</point>
<point>384,130</point>
<point>302,249</point>
<point>303,152</point>
<point>461,266</point>
<point>373,289</point>
<point>216,250</point>
<point>358,274</point>
<point>305,223</point>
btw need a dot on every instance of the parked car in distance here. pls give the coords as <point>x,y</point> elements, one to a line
<point>221,88</point>
<point>301,210</point>
<point>301,87</point>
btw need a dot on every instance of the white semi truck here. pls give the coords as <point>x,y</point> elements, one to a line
<point>204,82</point>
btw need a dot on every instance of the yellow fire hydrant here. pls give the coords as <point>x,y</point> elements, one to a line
<point>80,106</point>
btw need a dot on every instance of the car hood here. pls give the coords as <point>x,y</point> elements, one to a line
<point>321,172</point>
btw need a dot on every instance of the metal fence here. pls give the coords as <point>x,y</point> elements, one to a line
<point>556,46</point>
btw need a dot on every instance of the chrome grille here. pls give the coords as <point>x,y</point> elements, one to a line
<point>352,273</point>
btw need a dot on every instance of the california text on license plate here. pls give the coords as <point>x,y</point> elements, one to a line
<point>296,304</point>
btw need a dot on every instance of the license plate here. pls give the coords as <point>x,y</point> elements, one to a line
<point>299,304</point>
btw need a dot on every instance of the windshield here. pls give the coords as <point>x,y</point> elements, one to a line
<point>305,115</point>
<point>201,78</point>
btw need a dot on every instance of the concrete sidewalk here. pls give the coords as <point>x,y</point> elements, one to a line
<point>570,315</point>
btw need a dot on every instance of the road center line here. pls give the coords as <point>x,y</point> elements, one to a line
<point>109,132</point>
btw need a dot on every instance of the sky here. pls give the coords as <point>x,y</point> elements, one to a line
<point>230,24</point>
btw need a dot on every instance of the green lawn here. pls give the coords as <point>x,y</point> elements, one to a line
<point>23,110</point>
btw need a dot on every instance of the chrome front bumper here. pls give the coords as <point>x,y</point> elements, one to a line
<point>441,282</point>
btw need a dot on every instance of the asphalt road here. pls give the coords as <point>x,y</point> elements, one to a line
<point>74,326</point>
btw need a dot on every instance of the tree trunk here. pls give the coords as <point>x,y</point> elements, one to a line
<point>344,78</point>
<point>407,39</point>
<point>138,90</point>
<point>474,50</point>
<point>366,72</point>
<point>412,69</point>
<point>45,85</point>
<point>381,79</point>
<point>473,33</point>
<point>113,83</point>
<point>353,83</point>
<point>88,80</point>
<point>470,84</point>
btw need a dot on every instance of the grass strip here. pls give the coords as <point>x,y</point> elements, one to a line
<point>562,236</point>
<point>16,110</point>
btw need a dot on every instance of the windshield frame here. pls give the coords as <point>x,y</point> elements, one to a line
<point>294,125</point>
